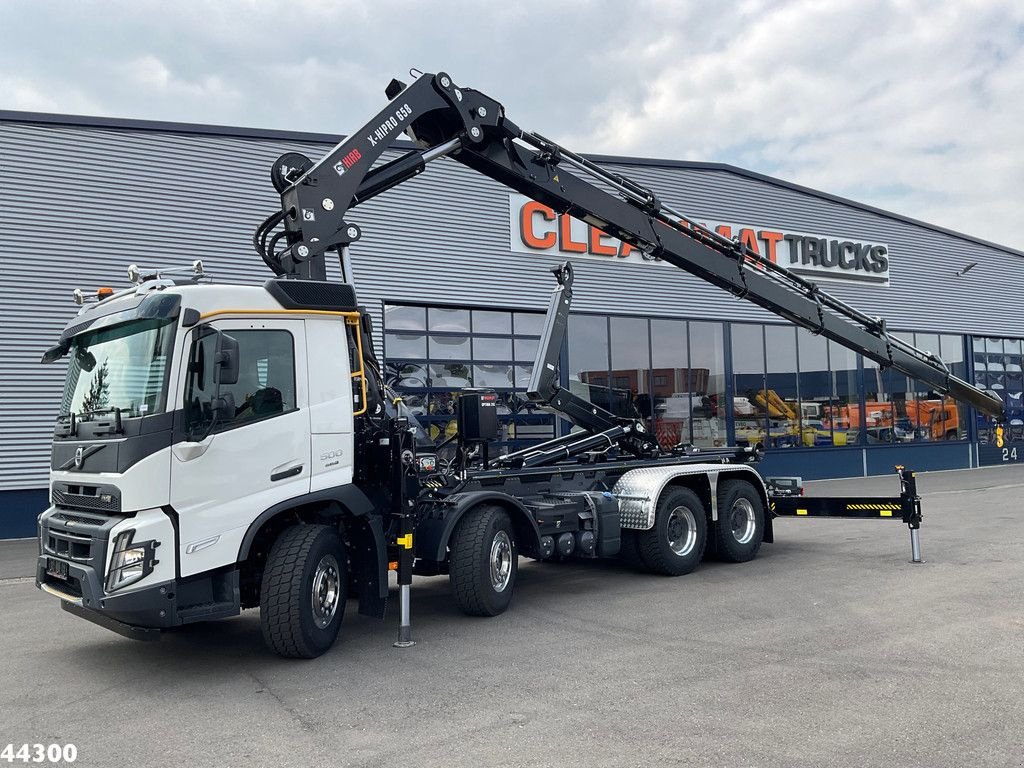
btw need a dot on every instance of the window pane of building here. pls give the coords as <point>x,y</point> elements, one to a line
<point>448,320</point>
<point>492,348</point>
<point>997,366</point>
<point>406,375</point>
<point>880,387</point>
<point>817,395</point>
<point>486,321</point>
<point>844,417</point>
<point>526,350</point>
<point>707,382</point>
<point>749,414</point>
<point>405,318</point>
<point>497,376</point>
<point>588,358</point>
<point>781,395</point>
<point>450,375</point>
<point>528,323</point>
<point>1013,350</point>
<point>631,368</point>
<point>936,417</point>
<point>671,383</point>
<point>449,348</point>
<point>981,355</point>
<point>402,345</point>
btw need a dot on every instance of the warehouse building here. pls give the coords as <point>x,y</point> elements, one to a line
<point>453,268</point>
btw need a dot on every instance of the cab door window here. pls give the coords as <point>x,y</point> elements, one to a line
<point>265,386</point>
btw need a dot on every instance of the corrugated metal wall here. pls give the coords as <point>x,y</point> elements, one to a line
<point>80,203</point>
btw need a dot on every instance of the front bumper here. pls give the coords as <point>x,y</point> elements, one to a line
<point>74,556</point>
<point>150,607</point>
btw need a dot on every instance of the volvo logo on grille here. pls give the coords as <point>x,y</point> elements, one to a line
<point>81,454</point>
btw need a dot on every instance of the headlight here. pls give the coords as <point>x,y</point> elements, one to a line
<point>131,561</point>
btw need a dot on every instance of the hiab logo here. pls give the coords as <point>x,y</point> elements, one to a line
<point>536,228</point>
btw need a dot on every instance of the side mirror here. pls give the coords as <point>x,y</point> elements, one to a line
<point>55,353</point>
<point>225,360</point>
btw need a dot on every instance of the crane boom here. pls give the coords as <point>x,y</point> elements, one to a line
<point>472,128</point>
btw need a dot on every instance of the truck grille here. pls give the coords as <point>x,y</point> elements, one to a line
<point>68,545</point>
<point>78,537</point>
<point>91,498</point>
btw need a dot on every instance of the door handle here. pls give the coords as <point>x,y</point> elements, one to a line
<point>285,473</point>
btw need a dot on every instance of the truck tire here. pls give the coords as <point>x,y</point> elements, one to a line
<point>740,526</point>
<point>675,544</point>
<point>484,561</point>
<point>304,589</point>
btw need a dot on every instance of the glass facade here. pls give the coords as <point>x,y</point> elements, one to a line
<point>697,382</point>
<point>998,366</point>
<point>901,409</point>
<point>433,353</point>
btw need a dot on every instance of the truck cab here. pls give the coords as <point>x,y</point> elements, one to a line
<point>190,410</point>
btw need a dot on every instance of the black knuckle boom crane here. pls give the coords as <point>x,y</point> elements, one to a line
<point>446,120</point>
<point>162,516</point>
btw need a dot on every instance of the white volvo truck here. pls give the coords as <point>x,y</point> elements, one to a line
<point>222,447</point>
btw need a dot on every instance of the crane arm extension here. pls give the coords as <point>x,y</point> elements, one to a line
<point>444,118</point>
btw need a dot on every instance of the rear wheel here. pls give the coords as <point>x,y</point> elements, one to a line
<point>302,597</point>
<point>740,527</point>
<point>484,561</point>
<point>675,544</point>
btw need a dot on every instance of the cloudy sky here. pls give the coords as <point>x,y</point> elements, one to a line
<point>916,107</point>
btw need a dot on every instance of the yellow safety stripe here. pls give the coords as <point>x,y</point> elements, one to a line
<point>217,312</point>
<point>873,506</point>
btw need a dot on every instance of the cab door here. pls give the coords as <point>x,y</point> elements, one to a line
<point>246,444</point>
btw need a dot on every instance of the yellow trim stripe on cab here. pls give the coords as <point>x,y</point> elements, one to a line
<point>351,318</point>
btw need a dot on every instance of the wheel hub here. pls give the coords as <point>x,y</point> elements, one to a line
<point>501,561</point>
<point>326,591</point>
<point>681,531</point>
<point>743,521</point>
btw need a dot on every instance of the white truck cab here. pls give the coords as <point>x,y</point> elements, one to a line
<point>189,410</point>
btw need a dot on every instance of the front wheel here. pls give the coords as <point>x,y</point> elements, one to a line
<point>304,589</point>
<point>484,561</point>
<point>740,527</point>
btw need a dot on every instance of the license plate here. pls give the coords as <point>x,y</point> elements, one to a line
<point>57,568</point>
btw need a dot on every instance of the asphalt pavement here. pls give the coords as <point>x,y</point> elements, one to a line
<point>829,649</point>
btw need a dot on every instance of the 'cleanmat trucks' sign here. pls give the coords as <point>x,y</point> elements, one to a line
<point>535,228</point>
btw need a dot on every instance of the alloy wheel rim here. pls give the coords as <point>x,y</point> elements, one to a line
<point>743,521</point>
<point>326,591</point>
<point>682,531</point>
<point>501,561</point>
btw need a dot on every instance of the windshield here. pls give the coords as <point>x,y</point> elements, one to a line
<point>123,367</point>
